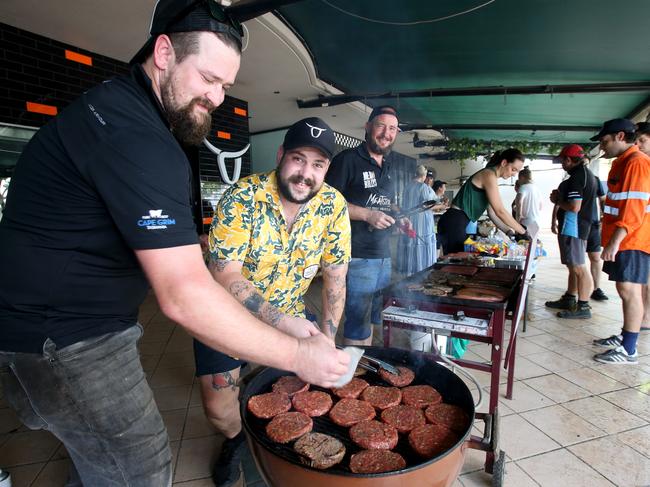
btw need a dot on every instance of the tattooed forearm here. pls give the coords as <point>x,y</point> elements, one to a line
<point>254,303</point>
<point>246,294</point>
<point>223,380</point>
<point>331,327</point>
<point>220,265</point>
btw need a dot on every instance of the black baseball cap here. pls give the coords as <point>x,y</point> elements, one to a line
<point>383,110</point>
<point>615,126</point>
<point>171,16</point>
<point>310,132</point>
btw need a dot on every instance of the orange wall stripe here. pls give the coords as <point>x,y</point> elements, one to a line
<point>79,58</point>
<point>40,108</point>
<point>223,135</point>
<point>207,220</point>
<point>240,111</point>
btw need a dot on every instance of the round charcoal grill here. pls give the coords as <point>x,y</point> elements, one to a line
<point>280,466</point>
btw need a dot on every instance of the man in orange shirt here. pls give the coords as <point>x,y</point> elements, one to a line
<point>626,234</point>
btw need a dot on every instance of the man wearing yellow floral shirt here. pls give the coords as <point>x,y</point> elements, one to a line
<point>270,234</point>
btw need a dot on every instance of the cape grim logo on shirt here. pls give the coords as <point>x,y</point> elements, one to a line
<point>155,220</point>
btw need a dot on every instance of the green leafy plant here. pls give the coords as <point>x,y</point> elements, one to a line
<point>469,149</point>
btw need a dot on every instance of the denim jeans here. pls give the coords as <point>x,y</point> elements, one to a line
<point>94,397</point>
<point>363,300</point>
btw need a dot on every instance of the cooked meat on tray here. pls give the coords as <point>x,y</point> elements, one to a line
<point>431,439</point>
<point>404,418</point>
<point>404,378</point>
<point>376,461</point>
<point>382,397</point>
<point>420,396</point>
<point>268,405</point>
<point>374,435</point>
<point>312,403</point>
<point>453,417</point>
<point>348,412</point>
<point>351,390</point>
<point>287,427</point>
<point>290,384</point>
<point>319,450</point>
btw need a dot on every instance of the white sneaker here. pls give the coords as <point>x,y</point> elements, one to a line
<point>617,355</point>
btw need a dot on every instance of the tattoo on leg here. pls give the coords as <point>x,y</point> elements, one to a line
<point>223,380</point>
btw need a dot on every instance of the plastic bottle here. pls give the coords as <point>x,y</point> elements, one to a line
<point>469,245</point>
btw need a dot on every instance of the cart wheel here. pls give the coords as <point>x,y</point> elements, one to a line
<point>499,470</point>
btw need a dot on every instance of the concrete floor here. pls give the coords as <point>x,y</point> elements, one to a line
<point>572,422</point>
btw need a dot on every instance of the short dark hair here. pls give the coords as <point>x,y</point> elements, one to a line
<point>510,155</point>
<point>187,43</point>
<point>630,137</point>
<point>642,128</point>
<point>437,184</point>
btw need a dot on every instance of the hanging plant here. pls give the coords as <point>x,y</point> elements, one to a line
<point>470,149</point>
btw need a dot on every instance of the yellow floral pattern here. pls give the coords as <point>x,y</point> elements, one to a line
<point>248,227</point>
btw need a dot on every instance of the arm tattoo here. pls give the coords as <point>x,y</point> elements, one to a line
<point>246,294</point>
<point>223,380</point>
<point>332,327</point>
<point>253,303</point>
<point>220,265</point>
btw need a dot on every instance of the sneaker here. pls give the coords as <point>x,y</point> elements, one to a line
<point>599,295</point>
<point>617,355</point>
<point>565,302</point>
<point>609,342</point>
<point>227,469</point>
<point>581,313</point>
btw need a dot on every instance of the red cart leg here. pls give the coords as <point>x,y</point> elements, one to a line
<point>511,367</point>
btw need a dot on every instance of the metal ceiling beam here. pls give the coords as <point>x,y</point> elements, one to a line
<point>331,100</point>
<point>524,127</point>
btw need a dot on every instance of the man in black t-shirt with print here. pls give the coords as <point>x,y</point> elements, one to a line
<point>575,198</point>
<point>365,177</point>
<point>99,209</point>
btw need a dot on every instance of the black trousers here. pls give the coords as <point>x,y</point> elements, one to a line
<point>451,230</point>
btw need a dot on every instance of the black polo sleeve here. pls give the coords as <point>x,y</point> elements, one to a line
<point>143,177</point>
<point>338,174</point>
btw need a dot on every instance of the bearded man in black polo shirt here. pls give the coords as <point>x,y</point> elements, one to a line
<point>364,176</point>
<point>100,204</point>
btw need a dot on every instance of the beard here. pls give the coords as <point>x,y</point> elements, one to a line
<point>375,148</point>
<point>187,126</point>
<point>285,189</point>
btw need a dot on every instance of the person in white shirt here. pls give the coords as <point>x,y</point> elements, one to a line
<point>528,202</point>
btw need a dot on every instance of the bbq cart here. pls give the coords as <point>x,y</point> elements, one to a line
<point>409,306</point>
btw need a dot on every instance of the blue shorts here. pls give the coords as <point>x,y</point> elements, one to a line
<point>629,266</point>
<point>363,300</point>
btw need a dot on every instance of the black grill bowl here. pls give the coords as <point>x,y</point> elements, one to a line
<point>281,467</point>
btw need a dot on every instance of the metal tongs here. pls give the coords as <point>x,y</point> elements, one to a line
<point>374,364</point>
<point>424,206</point>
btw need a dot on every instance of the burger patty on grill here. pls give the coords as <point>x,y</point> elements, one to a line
<point>404,378</point>
<point>347,412</point>
<point>352,389</point>
<point>420,396</point>
<point>319,450</point>
<point>290,384</point>
<point>374,435</point>
<point>382,397</point>
<point>404,418</point>
<point>431,440</point>
<point>268,405</point>
<point>289,426</point>
<point>376,461</point>
<point>312,403</point>
<point>453,417</point>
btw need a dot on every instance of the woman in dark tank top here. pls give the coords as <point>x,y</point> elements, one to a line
<point>479,193</point>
